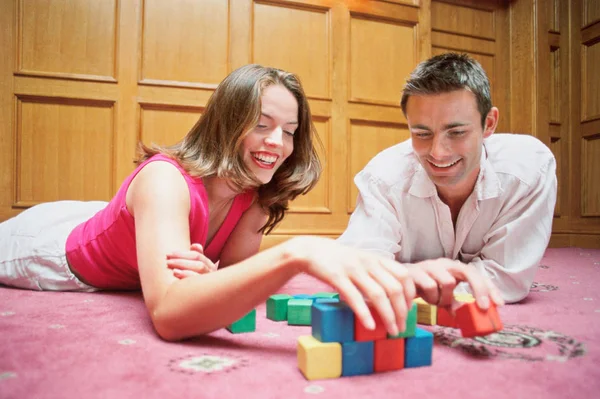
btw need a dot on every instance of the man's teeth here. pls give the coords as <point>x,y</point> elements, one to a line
<point>444,165</point>
<point>265,158</point>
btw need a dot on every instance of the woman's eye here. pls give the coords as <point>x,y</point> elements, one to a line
<point>289,133</point>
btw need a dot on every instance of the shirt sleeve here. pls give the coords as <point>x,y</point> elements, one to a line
<point>518,238</point>
<point>374,224</point>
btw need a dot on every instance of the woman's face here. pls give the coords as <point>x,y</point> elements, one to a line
<point>271,141</point>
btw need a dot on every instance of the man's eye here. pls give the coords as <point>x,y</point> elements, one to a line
<point>422,135</point>
<point>457,132</point>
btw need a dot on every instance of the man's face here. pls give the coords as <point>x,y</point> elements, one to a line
<point>447,138</point>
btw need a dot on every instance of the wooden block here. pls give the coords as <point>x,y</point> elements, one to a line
<point>411,324</point>
<point>426,313</point>
<point>418,350</point>
<point>362,334</point>
<point>299,311</point>
<point>389,355</point>
<point>464,297</point>
<point>474,322</point>
<point>277,307</point>
<point>444,318</point>
<point>319,360</point>
<point>245,324</point>
<point>332,322</point>
<point>357,358</point>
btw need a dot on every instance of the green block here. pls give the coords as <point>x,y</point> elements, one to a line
<point>277,307</point>
<point>333,295</point>
<point>411,324</point>
<point>245,324</point>
<point>299,311</point>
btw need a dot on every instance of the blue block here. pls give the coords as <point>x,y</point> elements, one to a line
<point>327,300</point>
<point>332,321</point>
<point>418,349</point>
<point>357,358</point>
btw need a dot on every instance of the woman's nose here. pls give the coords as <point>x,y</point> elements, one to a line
<point>275,138</point>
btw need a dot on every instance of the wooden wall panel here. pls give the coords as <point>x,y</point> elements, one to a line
<point>165,125</point>
<point>69,38</point>
<point>590,87</point>
<point>590,190</point>
<point>64,150</point>
<point>302,43</point>
<point>382,55</point>
<point>462,20</point>
<point>591,12</point>
<point>184,43</point>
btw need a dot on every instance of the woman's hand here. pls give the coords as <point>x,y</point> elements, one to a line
<point>359,276</point>
<point>437,278</point>
<point>190,263</point>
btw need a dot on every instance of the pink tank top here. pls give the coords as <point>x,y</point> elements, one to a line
<point>103,250</point>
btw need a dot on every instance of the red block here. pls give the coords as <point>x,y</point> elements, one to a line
<point>389,355</point>
<point>474,322</point>
<point>444,318</point>
<point>362,334</point>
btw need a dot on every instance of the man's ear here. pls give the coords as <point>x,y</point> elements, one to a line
<point>491,122</point>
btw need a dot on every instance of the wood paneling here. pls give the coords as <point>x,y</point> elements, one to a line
<point>591,11</point>
<point>85,80</point>
<point>184,42</point>
<point>165,125</point>
<point>68,38</point>
<point>296,39</point>
<point>72,156</point>
<point>382,54</point>
<point>590,87</point>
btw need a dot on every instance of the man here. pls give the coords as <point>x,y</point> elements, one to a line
<point>455,192</point>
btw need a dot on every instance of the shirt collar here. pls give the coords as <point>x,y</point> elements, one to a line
<point>487,185</point>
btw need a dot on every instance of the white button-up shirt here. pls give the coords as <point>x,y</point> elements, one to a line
<point>503,228</point>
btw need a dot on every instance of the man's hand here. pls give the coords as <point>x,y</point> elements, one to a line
<point>436,280</point>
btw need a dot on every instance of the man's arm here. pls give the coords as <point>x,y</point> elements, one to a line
<point>519,237</point>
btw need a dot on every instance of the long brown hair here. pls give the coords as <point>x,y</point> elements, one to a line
<point>212,146</point>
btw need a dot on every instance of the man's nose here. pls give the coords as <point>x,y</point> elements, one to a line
<point>439,147</point>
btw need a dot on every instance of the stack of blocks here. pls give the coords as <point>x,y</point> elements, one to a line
<point>341,346</point>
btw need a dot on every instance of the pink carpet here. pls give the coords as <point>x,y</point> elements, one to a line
<point>101,345</point>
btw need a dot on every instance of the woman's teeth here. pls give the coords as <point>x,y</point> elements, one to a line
<point>268,159</point>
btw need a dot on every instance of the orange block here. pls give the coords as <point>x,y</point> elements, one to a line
<point>389,355</point>
<point>362,334</point>
<point>474,322</point>
<point>444,318</point>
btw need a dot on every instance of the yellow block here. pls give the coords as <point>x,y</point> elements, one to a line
<point>465,297</point>
<point>426,313</point>
<point>318,360</point>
